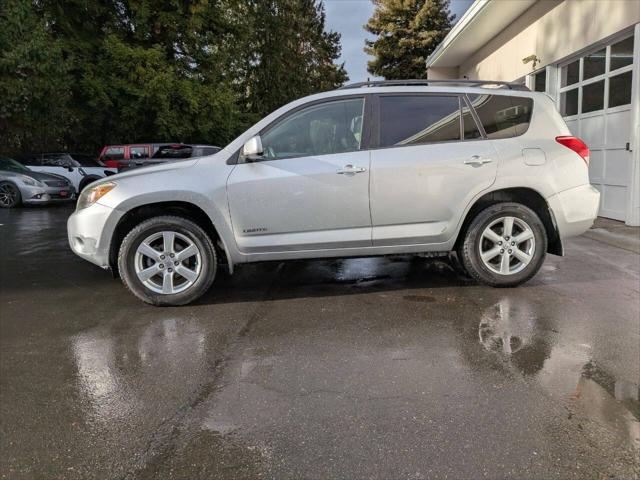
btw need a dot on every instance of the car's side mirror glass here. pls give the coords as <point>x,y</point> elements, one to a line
<point>252,149</point>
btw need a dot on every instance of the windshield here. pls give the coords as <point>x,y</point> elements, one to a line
<point>9,164</point>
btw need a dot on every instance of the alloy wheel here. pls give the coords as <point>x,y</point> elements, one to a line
<point>167,262</point>
<point>8,195</point>
<point>507,245</point>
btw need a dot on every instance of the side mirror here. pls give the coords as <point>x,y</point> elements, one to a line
<point>252,149</point>
<point>70,168</point>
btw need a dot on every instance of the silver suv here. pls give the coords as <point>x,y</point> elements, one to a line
<point>379,168</point>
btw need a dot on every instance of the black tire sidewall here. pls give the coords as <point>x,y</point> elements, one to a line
<point>470,252</point>
<point>18,201</point>
<point>157,224</point>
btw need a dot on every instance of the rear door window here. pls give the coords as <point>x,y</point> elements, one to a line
<point>138,152</point>
<point>503,116</point>
<point>418,119</point>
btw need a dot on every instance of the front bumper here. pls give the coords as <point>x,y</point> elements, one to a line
<point>90,231</point>
<point>575,209</point>
<point>34,195</point>
<point>56,196</point>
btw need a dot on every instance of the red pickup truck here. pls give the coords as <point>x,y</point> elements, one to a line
<point>124,157</point>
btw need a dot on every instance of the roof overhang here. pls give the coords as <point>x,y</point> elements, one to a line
<point>482,21</point>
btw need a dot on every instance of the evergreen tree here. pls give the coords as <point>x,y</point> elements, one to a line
<point>292,56</point>
<point>407,32</point>
<point>35,81</point>
<point>78,74</point>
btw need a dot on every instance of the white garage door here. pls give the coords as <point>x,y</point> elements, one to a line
<point>595,98</point>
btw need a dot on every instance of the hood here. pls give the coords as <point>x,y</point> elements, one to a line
<point>150,170</point>
<point>46,176</point>
<point>41,177</point>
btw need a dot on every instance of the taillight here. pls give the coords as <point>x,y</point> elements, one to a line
<point>112,164</point>
<point>577,145</point>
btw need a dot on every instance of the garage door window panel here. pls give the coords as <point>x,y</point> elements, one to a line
<point>593,97</point>
<point>621,54</point>
<point>570,74</point>
<point>594,64</point>
<point>620,89</point>
<point>569,102</point>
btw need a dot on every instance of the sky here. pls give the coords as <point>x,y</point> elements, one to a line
<point>348,17</point>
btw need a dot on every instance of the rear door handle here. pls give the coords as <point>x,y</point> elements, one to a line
<point>477,160</point>
<point>350,169</point>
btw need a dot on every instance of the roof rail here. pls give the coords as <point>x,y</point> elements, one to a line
<point>413,82</point>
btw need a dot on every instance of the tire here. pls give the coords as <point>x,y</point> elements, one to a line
<point>10,196</point>
<point>145,272</point>
<point>488,261</point>
<point>86,181</point>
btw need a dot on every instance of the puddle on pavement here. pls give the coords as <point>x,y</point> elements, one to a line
<point>112,373</point>
<point>511,330</point>
<point>219,426</point>
<point>610,402</point>
<point>420,298</point>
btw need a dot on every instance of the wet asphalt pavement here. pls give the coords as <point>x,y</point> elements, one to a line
<point>389,368</point>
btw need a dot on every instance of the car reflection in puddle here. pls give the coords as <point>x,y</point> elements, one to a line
<point>510,330</point>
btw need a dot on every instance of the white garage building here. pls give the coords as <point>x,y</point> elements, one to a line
<point>586,55</point>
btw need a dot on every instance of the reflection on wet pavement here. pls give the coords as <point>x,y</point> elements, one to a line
<point>362,368</point>
<point>512,329</point>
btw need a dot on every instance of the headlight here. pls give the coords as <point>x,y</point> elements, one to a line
<point>32,182</point>
<point>91,195</point>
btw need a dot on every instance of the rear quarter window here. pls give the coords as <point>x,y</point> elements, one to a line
<point>503,116</point>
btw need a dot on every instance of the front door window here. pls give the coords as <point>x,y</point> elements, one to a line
<point>328,128</point>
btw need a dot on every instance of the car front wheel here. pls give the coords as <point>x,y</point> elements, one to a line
<point>9,195</point>
<point>167,260</point>
<point>505,245</point>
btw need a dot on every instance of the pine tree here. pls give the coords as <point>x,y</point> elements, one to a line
<point>293,55</point>
<point>407,32</point>
<point>34,81</point>
<point>78,74</point>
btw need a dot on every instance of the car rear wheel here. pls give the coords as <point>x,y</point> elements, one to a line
<point>167,260</point>
<point>9,195</point>
<point>504,246</point>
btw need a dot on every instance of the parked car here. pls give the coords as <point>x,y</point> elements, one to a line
<point>119,156</point>
<point>422,167</point>
<point>126,157</point>
<point>19,185</point>
<point>80,169</point>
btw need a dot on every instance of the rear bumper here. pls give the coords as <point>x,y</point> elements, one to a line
<point>575,209</point>
<point>90,231</point>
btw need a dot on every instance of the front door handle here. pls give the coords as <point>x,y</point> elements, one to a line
<point>477,160</point>
<point>350,169</point>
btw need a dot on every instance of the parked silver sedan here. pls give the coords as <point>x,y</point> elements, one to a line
<point>19,185</point>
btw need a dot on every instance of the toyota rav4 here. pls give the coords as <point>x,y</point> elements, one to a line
<point>489,171</point>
